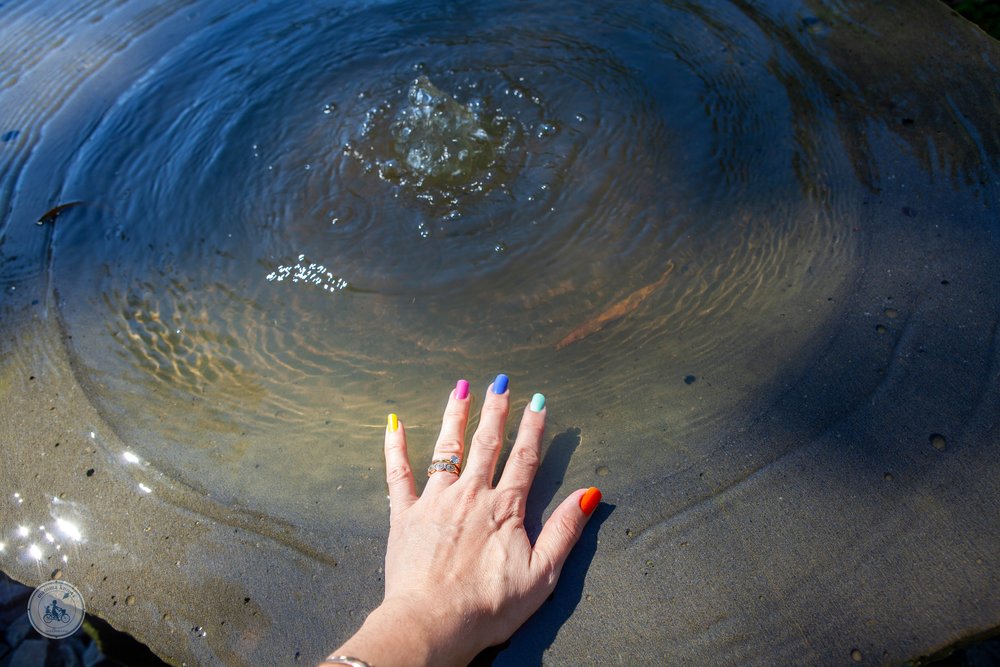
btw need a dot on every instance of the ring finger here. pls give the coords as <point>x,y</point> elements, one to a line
<point>450,445</point>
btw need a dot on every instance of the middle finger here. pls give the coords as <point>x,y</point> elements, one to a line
<point>488,440</point>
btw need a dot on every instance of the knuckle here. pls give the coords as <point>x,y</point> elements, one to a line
<point>507,505</point>
<point>467,501</point>
<point>456,412</point>
<point>550,576</point>
<point>489,441</point>
<point>567,528</point>
<point>548,573</point>
<point>397,473</point>
<point>497,408</point>
<point>526,456</point>
<point>449,446</point>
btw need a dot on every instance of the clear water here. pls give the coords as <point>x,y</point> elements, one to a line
<point>297,221</point>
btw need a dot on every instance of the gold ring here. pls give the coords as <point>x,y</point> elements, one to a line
<point>444,465</point>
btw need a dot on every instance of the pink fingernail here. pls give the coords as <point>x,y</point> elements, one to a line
<point>462,390</point>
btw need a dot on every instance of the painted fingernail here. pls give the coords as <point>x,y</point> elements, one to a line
<point>462,390</point>
<point>500,384</point>
<point>537,403</point>
<point>590,500</point>
<point>393,422</point>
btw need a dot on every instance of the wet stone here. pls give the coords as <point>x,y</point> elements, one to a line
<point>689,379</point>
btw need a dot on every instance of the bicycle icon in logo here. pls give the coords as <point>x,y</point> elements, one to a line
<point>55,613</point>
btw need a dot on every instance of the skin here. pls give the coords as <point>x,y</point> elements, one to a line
<point>461,573</point>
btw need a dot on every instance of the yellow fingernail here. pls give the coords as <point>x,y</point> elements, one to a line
<point>393,422</point>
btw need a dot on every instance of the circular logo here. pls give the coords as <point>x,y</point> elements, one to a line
<point>56,609</point>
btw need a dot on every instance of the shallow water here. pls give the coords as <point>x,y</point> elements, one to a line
<point>685,223</point>
<point>258,273</point>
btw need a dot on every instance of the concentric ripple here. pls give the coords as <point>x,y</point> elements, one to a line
<point>311,217</point>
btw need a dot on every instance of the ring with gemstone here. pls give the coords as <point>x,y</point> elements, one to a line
<point>445,465</point>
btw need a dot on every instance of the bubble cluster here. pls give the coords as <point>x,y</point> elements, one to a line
<point>310,273</point>
<point>438,149</point>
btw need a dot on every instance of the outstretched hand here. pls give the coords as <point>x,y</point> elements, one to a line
<point>460,571</point>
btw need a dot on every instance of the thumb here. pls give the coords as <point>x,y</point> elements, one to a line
<point>562,530</point>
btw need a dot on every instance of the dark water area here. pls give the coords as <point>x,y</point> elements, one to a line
<point>746,250</point>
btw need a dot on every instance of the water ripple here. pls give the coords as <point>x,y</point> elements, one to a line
<point>289,235</point>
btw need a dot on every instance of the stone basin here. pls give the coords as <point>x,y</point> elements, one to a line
<point>747,250</point>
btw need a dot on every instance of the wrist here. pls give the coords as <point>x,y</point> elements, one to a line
<point>400,632</point>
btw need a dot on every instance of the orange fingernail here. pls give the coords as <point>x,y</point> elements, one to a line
<point>590,500</point>
<point>393,422</point>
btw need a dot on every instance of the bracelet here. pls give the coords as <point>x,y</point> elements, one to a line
<point>344,660</point>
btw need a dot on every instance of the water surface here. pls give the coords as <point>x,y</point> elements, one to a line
<point>746,249</point>
<point>267,266</point>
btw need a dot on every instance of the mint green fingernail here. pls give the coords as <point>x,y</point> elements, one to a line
<point>537,403</point>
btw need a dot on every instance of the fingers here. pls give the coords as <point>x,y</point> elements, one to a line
<point>451,439</point>
<point>398,474</point>
<point>561,532</point>
<point>522,465</point>
<point>488,440</point>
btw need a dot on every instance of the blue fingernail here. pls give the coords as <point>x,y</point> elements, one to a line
<point>537,403</point>
<point>500,384</point>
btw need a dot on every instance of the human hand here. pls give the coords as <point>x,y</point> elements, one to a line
<point>460,571</point>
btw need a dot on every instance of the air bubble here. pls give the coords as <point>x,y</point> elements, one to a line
<point>310,273</point>
<point>546,130</point>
